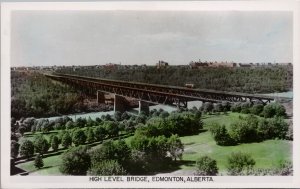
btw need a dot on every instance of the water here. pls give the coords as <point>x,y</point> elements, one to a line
<point>197,104</point>
<point>288,94</point>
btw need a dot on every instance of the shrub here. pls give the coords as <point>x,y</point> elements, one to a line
<point>66,140</point>
<point>289,134</point>
<point>257,109</point>
<point>236,107</point>
<point>70,125</point>
<point>239,162</point>
<point>279,127</point>
<point>90,135</point>
<point>206,166</point>
<point>27,149</point>
<point>54,143</point>
<point>111,128</point>
<point>175,147</point>
<point>100,133</point>
<point>41,145</point>
<point>78,137</point>
<point>245,107</point>
<point>38,161</point>
<point>244,131</point>
<point>75,161</point>
<point>221,135</point>
<point>14,149</point>
<point>107,167</point>
<point>207,107</point>
<point>274,109</point>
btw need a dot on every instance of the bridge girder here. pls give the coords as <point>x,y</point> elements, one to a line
<point>156,93</point>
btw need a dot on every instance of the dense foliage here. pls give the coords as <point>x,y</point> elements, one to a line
<point>221,135</point>
<point>250,80</point>
<point>75,161</point>
<point>206,166</point>
<point>38,161</point>
<point>35,95</point>
<point>251,129</point>
<point>27,149</point>
<point>41,145</point>
<point>239,162</point>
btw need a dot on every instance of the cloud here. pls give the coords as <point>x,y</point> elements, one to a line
<point>138,37</point>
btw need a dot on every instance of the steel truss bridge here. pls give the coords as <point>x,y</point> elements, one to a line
<point>157,94</point>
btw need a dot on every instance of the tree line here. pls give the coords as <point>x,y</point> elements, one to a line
<point>155,148</point>
<point>32,94</point>
<point>248,80</point>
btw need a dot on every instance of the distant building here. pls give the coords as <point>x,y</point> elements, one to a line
<point>162,64</point>
<point>215,64</point>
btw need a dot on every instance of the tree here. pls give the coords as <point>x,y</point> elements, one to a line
<point>100,133</point>
<point>14,149</point>
<point>112,128</point>
<point>90,135</point>
<point>54,143</point>
<point>70,125</point>
<point>118,116</point>
<point>141,118</point>
<point>164,114</point>
<point>245,131</point>
<point>208,107</point>
<point>239,162</point>
<point>22,129</point>
<point>46,126</point>
<point>175,147</point>
<point>80,122</point>
<point>279,127</point>
<point>274,109</point>
<point>125,116</point>
<point>221,135</point>
<point>226,106</point>
<point>236,107</point>
<point>206,166</point>
<point>107,167</point>
<point>27,149</point>
<point>257,109</point>
<point>123,152</point>
<point>245,107</point>
<point>79,137</point>
<point>38,161</point>
<point>90,122</point>
<point>218,107</point>
<point>41,145</point>
<point>66,140</point>
<point>75,161</point>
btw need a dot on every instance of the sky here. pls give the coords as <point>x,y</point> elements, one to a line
<point>47,38</point>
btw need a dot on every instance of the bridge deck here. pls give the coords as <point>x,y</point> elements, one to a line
<point>126,88</point>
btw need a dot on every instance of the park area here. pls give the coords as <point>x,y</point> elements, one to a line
<point>268,154</point>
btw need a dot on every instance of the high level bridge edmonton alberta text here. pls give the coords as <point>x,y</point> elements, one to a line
<point>152,93</point>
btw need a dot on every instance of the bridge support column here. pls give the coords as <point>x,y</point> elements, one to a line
<point>144,107</point>
<point>120,104</point>
<point>100,97</point>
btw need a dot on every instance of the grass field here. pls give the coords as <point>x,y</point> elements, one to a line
<point>51,166</point>
<point>267,154</point>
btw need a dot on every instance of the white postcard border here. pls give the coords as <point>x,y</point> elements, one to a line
<point>8,181</point>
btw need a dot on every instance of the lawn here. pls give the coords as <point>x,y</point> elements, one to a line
<point>51,166</point>
<point>267,154</point>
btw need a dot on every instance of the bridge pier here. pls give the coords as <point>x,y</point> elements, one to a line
<point>100,97</point>
<point>144,107</point>
<point>120,104</point>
